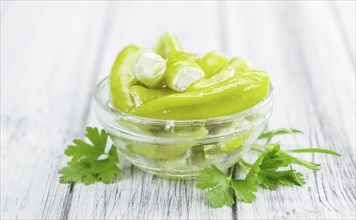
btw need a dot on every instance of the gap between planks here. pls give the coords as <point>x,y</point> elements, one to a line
<point>94,75</point>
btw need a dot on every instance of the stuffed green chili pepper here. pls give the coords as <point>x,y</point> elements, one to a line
<point>223,75</point>
<point>182,71</point>
<point>231,96</point>
<point>240,65</point>
<point>141,94</point>
<point>168,83</point>
<point>122,77</point>
<point>213,62</point>
<point>167,44</point>
<point>149,68</point>
<point>159,152</point>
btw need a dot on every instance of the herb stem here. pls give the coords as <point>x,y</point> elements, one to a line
<point>245,163</point>
<point>243,166</point>
<point>232,169</point>
<point>314,150</point>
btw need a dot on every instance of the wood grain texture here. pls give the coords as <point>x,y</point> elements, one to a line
<point>49,53</point>
<point>52,53</point>
<point>314,91</point>
<point>345,16</point>
<point>138,195</point>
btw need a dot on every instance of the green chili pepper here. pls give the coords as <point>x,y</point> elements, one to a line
<point>231,96</point>
<point>143,129</point>
<point>149,67</point>
<point>197,155</point>
<point>212,63</point>
<point>142,95</point>
<point>167,44</point>
<point>240,65</point>
<point>182,71</point>
<point>168,151</point>
<point>122,77</point>
<point>223,75</point>
<point>233,142</point>
<point>189,132</point>
<point>160,152</point>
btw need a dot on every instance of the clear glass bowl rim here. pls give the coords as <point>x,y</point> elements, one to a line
<point>138,119</point>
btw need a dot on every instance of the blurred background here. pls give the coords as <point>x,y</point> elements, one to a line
<point>53,54</point>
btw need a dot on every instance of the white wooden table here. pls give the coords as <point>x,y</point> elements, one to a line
<point>53,54</point>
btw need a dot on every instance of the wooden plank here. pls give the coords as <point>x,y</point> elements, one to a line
<point>301,47</point>
<point>303,50</point>
<point>138,195</point>
<point>345,15</point>
<point>50,51</point>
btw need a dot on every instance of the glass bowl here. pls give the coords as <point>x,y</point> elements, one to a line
<point>181,148</point>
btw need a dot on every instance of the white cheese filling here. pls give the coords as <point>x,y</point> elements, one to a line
<point>148,67</point>
<point>186,77</point>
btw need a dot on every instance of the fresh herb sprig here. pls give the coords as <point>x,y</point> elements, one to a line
<point>93,162</point>
<point>98,162</point>
<point>271,169</point>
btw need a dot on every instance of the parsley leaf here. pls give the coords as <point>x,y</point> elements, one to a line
<point>91,162</point>
<point>221,185</point>
<point>244,190</point>
<point>107,169</point>
<point>269,174</point>
<point>271,169</point>
<point>75,172</point>
<point>293,159</point>
<point>307,164</point>
<point>210,177</point>
<point>220,195</point>
<point>274,159</point>
<point>94,162</point>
